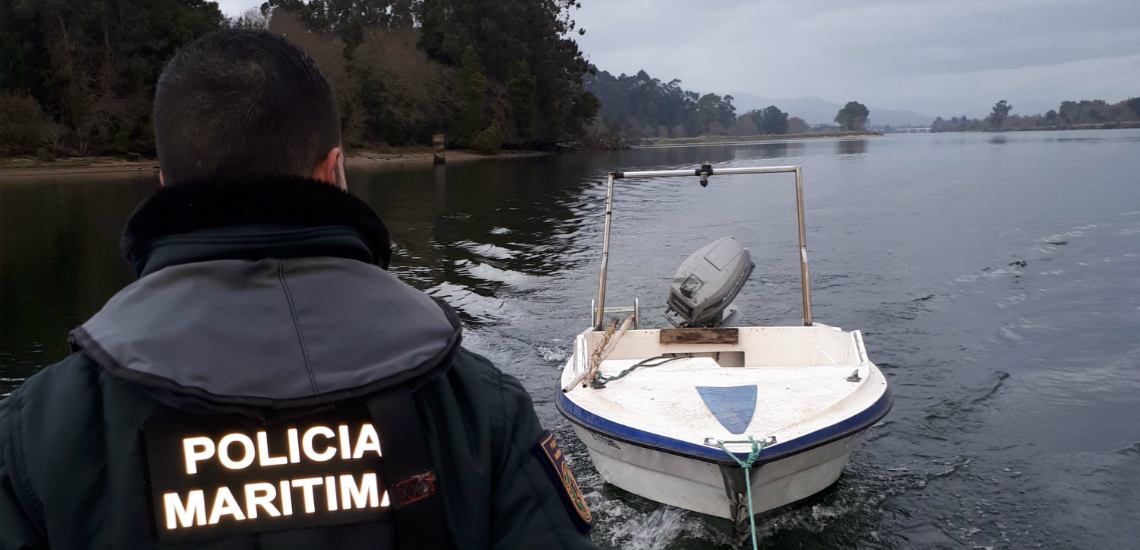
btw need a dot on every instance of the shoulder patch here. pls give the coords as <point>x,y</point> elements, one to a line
<point>554,462</point>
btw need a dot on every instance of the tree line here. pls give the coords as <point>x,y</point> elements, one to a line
<point>1070,115</point>
<point>77,76</point>
<point>641,107</point>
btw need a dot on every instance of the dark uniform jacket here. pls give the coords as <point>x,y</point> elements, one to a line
<point>264,303</point>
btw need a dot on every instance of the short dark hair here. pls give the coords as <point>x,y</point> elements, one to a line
<point>243,103</point>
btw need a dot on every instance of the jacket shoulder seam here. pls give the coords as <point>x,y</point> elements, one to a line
<point>296,325</point>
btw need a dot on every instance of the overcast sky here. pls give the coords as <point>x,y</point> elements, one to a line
<point>936,57</point>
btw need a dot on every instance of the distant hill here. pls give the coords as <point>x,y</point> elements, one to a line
<point>817,111</point>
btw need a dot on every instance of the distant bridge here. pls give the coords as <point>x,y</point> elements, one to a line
<point>911,130</point>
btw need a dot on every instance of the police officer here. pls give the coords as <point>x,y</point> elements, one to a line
<point>266,383</point>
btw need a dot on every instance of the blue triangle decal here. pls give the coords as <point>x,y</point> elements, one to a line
<point>732,406</point>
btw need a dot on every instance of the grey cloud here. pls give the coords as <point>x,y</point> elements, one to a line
<point>936,56</point>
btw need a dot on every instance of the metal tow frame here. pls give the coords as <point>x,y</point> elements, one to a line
<point>703,172</point>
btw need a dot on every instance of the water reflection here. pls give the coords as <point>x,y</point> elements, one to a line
<point>769,151</point>
<point>851,146</point>
<point>486,229</point>
<point>59,263</point>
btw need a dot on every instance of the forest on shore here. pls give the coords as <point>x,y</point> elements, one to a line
<point>77,76</point>
<point>1071,115</point>
<point>639,107</point>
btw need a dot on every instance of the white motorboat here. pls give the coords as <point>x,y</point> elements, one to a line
<point>662,410</point>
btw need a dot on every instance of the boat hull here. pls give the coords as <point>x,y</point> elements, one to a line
<point>660,432</point>
<point>713,488</point>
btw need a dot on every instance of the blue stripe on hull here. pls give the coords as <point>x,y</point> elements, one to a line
<point>635,436</point>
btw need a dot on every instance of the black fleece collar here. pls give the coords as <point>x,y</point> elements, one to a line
<point>219,203</point>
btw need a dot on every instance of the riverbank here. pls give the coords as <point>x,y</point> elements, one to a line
<point>1125,125</point>
<point>734,140</point>
<point>23,167</point>
<point>30,167</point>
<point>423,155</point>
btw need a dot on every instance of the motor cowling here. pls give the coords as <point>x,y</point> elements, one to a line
<point>707,283</point>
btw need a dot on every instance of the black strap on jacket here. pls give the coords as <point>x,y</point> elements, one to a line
<point>408,474</point>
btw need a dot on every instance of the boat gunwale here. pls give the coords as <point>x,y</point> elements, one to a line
<point>849,426</point>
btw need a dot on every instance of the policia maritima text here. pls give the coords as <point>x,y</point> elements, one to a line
<point>266,383</point>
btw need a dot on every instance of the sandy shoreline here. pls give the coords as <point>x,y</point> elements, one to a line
<point>357,159</point>
<point>98,166</point>
<point>751,140</point>
<point>360,159</point>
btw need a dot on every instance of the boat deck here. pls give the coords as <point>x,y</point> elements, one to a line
<point>786,382</point>
<point>666,399</point>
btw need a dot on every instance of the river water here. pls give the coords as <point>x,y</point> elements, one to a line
<point>996,278</point>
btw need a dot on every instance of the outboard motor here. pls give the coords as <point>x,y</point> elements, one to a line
<point>707,283</point>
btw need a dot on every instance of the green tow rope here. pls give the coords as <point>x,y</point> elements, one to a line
<point>601,381</point>
<point>747,465</point>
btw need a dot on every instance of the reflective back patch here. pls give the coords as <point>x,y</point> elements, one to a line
<point>225,476</point>
<point>554,462</point>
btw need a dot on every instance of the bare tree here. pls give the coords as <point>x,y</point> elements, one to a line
<point>796,125</point>
<point>52,134</point>
<point>744,127</point>
<point>252,19</point>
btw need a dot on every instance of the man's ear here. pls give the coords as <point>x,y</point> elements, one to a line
<point>327,169</point>
<point>161,180</point>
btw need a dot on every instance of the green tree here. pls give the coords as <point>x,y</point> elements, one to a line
<point>775,121</point>
<point>505,31</point>
<point>999,114</point>
<point>474,87</point>
<point>1134,105</point>
<point>644,99</point>
<point>1069,113</point>
<point>489,140</point>
<point>852,117</point>
<point>712,108</point>
<point>522,48</point>
<point>92,64</point>
<point>520,89</point>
